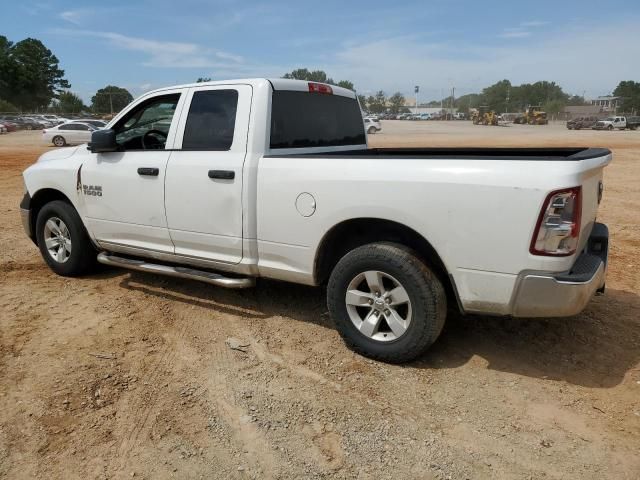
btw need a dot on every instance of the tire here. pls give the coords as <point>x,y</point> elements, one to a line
<point>60,225</point>
<point>610,127</point>
<point>59,141</point>
<point>371,130</point>
<point>418,319</point>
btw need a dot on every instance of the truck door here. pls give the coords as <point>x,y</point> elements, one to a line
<point>123,191</point>
<point>203,197</point>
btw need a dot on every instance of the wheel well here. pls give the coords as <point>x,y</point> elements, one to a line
<point>40,199</point>
<point>351,234</point>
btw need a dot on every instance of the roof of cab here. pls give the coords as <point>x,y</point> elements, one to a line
<point>276,83</point>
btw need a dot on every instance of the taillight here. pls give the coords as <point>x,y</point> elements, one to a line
<point>320,88</point>
<point>558,227</point>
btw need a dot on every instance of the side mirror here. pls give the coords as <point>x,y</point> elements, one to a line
<point>103,141</point>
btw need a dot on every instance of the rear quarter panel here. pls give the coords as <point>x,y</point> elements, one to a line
<point>479,215</point>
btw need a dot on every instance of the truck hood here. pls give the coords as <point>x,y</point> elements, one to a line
<point>58,154</point>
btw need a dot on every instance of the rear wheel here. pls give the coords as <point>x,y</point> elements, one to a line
<point>63,241</point>
<point>371,130</point>
<point>59,141</point>
<point>386,303</point>
<point>610,127</point>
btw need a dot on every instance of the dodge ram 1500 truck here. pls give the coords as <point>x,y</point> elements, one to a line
<point>224,182</point>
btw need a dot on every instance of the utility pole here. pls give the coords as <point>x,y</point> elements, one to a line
<point>111,103</point>
<point>453,99</point>
<point>507,104</point>
<point>416,89</point>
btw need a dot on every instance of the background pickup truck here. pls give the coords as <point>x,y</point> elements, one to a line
<point>621,123</point>
<point>581,122</point>
<point>224,182</point>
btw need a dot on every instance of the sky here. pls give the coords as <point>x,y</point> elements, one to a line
<point>585,46</point>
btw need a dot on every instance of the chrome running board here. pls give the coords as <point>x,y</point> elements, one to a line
<point>178,272</point>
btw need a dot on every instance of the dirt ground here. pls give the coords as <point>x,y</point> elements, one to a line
<point>121,374</point>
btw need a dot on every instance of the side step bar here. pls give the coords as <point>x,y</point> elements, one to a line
<point>178,272</point>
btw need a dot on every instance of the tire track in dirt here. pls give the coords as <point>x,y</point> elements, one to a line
<point>144,405</point>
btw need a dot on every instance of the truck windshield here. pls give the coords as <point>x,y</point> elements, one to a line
<point>303,120</point>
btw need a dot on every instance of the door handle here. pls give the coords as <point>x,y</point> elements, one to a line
<point>222,174</point>
<point>151,172</point>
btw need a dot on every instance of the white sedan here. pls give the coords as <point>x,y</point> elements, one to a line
<point>68,133</point>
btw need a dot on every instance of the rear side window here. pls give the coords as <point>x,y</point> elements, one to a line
<point>302,119</point>
<point>211,120</point>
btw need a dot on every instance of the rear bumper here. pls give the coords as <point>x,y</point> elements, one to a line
<point>565,294</point>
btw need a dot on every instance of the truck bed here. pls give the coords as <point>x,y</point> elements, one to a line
<point>464,153</point>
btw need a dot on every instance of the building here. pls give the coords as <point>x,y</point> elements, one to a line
<point>607,103</point>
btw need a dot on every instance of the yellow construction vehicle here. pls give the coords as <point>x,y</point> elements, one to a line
<point>532,116</point>
<point>482,115</point>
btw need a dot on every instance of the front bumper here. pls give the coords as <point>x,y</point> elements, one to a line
<point>565,294</point>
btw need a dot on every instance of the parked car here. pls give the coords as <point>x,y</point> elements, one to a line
<point>56,120</point>
<point>39,120</point>
<point>372,125</point>
<point>423,116</point>
<point>71,133</point>
<point>3,129</point>
<point>26,123</point>
<point>459,116</point>
<point>20,123</point>
<point>10,126</point>
<point>274,178</point>
<point>621,123</point>
<point>581,122</point>
<point>91,121</point>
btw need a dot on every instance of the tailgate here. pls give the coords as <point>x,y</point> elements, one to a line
<point>591,181</point>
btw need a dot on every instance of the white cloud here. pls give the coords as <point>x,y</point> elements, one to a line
<point>162,53</point>
<point>534,24</point>
<point>578,58</point>
<point>522,31</point>
<point>72,16</point>
<point>514,33</point>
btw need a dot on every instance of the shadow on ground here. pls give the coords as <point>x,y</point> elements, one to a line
<point>593,349</point>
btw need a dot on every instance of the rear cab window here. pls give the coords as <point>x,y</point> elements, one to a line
<point>301,119</point>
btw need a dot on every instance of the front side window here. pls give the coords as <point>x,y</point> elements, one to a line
<point>211,120</point>
<point>303,119</point>
<point>146,127</point>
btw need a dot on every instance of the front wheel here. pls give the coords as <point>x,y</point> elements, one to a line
<point>59,141</point>
<point>386,303</point>
<point>610,127</point>
<point>63,241</point>
<point>371,130</point>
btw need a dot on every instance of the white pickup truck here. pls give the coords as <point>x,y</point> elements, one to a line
<point>224,182</point>
<point>621,123</point>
